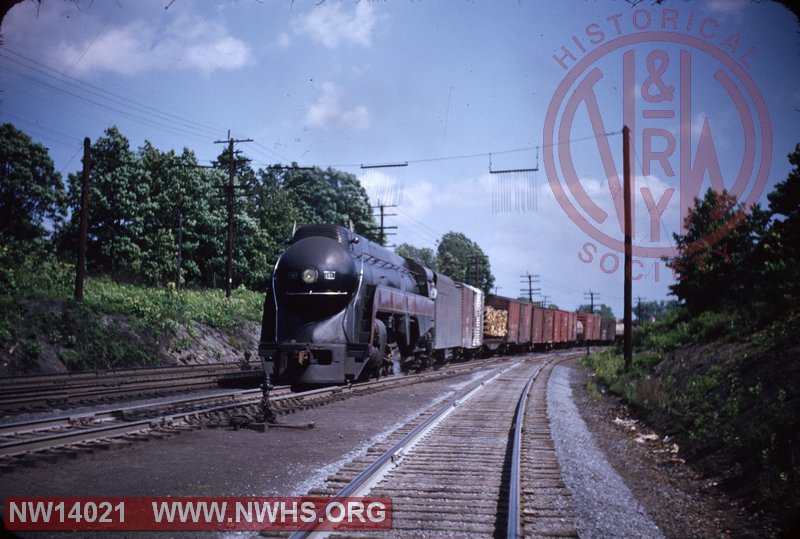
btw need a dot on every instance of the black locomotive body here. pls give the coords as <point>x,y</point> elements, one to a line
<point>342,308</point>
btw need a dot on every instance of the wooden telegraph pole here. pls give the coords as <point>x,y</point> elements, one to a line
<point>229,192</point>
<point>626,192</point>
<point>80,270</point>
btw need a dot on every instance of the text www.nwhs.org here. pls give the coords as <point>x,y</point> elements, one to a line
<point>197,513</point>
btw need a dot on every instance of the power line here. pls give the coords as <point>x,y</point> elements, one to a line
<point>487,154</point>
<point>124,101</point>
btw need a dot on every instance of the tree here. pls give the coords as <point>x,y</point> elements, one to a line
<point>277,210</point>
<point>603,310</point>
<point>32,194</point>
<point>183,212</point>
<point>331,196</point>
<point>781,249</point>
<point>251,264</point>
<point>716,262</point>
<point>423,255</point>
<point>118,205</point>
<point>462,259</point>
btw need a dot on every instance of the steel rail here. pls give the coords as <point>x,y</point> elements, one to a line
<point>79,428</point>
<point>390,458</point>
<point>26,393</point>
<point>513,526</point>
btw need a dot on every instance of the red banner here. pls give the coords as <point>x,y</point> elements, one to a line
<point>197,513</point>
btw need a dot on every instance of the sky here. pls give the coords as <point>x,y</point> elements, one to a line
<point>454,94</point>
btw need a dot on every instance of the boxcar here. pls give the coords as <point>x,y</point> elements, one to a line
<point>547,327</point>
<point>447,314</point>
<point>537,326</point>
<point>472,301</point>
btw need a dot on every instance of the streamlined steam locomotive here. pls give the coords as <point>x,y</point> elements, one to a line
<point>342,308</point>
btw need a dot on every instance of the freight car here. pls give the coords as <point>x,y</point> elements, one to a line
<point>341,308</point>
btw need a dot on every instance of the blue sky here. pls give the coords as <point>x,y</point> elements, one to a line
<point>437,85</point>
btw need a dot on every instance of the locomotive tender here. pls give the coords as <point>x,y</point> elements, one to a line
<point>341,308</point>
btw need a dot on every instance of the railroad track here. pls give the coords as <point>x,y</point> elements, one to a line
<point>481,465</point>
<point>46,391</point>
<point>67,435</point>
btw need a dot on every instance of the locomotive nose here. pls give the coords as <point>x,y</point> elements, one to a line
<point>316,277</point>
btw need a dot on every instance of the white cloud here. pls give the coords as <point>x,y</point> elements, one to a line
<point>329,112</point>
<point>283,41</point>
<point>331,25</point>
<point>727,7</point>
<point>189,43</point>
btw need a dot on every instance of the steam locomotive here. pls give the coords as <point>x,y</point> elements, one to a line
<point>341,308</point>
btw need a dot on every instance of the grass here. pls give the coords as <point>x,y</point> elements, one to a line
<point>116,325</point>
<point>730,396</point>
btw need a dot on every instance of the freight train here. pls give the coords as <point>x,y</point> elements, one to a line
<point>341,308</point>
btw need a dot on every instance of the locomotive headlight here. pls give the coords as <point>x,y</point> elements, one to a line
<point>310,276</point>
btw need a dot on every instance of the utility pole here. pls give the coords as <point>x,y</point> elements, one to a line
<point>476,260</point>
<point>180,250</point>
<point>229,192</point>
<point>382,209</point>
<point>626,193</point>
<point>544,300</point>
<point>80,273</point>
<point>530,279</point>
<point>639,309</point>
<point>591,296</point>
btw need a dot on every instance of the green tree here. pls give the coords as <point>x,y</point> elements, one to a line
<point>423,255</point>
<point>331,196</point>
<point>460,258</point>
<point>717,256</point>
<point>118,206</point>
<point>183,204</point>
<point>654,310</point>
<point>277,210</point>
<point>782,245</point>
<point>251,264</point>
<point>603,310</point>
<point>31,191</point>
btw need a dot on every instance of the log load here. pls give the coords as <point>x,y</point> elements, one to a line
<point>495,322</point>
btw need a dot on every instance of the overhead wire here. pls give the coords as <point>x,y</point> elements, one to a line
<point>117,99</point>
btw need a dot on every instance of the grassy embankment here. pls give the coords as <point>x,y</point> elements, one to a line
<point>729,396</point>
<point>117,325</point>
